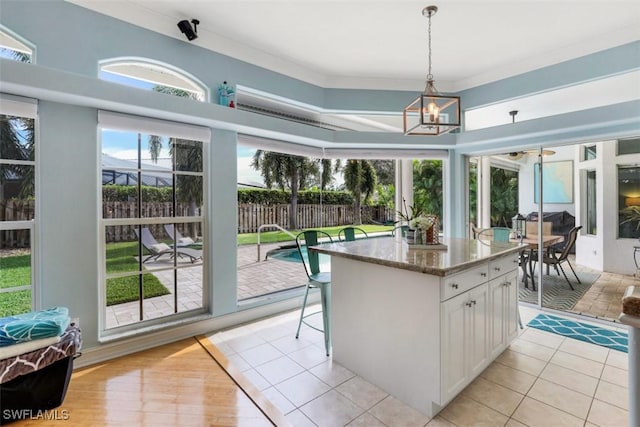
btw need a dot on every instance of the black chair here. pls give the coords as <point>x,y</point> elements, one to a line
<point>348,234</point>
<point>556,258</point>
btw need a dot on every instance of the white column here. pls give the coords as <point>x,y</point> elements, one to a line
<point>634,367</point>
<point>484,192</point>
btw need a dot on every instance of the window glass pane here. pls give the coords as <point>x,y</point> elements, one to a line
<point>628,146</point>
<point>157,200</point>
<point>158,294</point>
<point>15,272</point>
<point>152,77</point>
<point>15,302</point>
<point>504,196</point>
<point>120,201</point>
<point>591,212</point>
<point>189,195</point>
<point>188,155</point>
<point>122,301</point>
<point>122,249</point>
<point>15,258</point>
<point>14,49</point>
<point>190,288</point>
<point>590,152</point>
<point>15,209</point>
<point>16,142</point>
<point>629,201</point>
<point>17,182</point>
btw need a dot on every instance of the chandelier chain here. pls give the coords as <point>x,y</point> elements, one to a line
<point>429,76</point>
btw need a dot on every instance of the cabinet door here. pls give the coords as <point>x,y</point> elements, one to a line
<point>478,329</point>
<point>454,314</point>
<point>511,306</point>
<point>497,309</point>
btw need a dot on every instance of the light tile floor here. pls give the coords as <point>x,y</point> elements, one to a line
<point>541,380</point>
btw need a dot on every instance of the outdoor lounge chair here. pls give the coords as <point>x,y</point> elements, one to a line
<point>179,239</point>
<point>158,249</point>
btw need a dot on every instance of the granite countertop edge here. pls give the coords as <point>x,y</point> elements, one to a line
<point>442,272</point>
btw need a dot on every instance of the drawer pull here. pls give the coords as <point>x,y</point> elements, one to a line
<point>483,274</point>
<point>454,285</point>
<point>468,304</point>
<point>496,268</point>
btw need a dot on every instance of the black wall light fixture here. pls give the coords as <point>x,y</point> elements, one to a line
<point>185,27</point>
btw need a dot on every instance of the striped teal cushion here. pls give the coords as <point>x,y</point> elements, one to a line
<point>33,326</point>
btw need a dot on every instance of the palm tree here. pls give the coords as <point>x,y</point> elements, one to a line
<point>286,172</point>
<point>427,185</point>
<point>359,179</point>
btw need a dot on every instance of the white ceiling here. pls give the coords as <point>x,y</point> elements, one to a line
<point>383,44</point>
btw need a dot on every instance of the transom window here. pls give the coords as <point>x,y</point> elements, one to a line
<point>153,76</point>
<point>12,48</point>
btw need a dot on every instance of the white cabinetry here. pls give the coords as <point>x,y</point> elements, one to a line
<point>477,325</point>
<point>464,339</point>
<point>422,337</point>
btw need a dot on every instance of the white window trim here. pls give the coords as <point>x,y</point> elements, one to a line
<point>108,120</point>
<point>18,106</point>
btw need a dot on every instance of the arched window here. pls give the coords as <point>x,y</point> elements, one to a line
<point>146,74</point>
<point>12,48</point>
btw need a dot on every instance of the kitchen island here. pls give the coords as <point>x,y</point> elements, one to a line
<point>422,324</point>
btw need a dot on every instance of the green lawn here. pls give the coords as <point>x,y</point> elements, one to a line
<point>280,236</point>
<point>16,271</point>
<point>121,258</point>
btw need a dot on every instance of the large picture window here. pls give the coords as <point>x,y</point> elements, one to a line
<point>153,198</point>
<point>17,204</point>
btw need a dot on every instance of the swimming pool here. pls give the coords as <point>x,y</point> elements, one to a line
<point>285,253</point>
<point>290,254</point>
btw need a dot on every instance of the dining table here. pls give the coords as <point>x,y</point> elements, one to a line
<point>526,255</point>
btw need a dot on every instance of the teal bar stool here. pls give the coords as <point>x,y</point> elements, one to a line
<point>348,234</point>
<point>317,279</point>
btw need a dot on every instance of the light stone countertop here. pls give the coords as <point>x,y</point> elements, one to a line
<point>393,252</point>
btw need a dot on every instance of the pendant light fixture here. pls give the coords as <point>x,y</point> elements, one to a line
<point>431,113</point>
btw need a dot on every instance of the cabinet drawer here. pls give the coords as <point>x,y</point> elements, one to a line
<point>462,282</point>
<point>503,265</point>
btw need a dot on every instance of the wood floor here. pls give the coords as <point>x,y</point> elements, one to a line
<point>178,384</point>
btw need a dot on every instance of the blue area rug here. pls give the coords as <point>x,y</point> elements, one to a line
<point>581,331</point>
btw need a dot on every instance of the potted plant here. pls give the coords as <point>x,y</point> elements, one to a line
<point>422,226</point>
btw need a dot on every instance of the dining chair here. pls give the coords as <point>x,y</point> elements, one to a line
<point>556,258</point>
<point>494,234</point>
<point>348,234</point>
<point>318,279</point>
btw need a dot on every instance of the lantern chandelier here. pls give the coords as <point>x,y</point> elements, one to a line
<point>431,113</point>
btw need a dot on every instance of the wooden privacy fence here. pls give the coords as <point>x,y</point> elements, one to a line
<point>251,216</point>
<point>123,233</point>
<point>16,210</point>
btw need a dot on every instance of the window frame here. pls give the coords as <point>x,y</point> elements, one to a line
<point>11,105</point>
<point>117,121</point>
